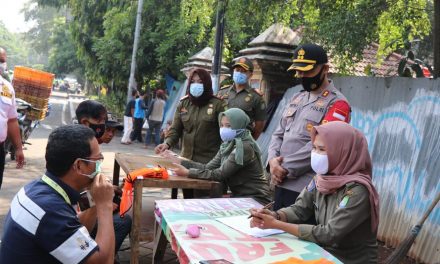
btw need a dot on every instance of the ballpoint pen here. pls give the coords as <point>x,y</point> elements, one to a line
<point>265,207</point>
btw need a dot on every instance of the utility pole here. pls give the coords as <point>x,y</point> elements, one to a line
<point>218,50</point>
<point>436,38</point>
<point>131,81</point>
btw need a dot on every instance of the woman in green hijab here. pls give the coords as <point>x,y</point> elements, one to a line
<point>237,163</point>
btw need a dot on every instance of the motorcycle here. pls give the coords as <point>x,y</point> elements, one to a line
<point>25,125</point>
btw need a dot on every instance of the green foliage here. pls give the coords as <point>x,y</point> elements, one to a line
<point>111,49</point>
<point>17,53</point>
<point>403,21</point>
<point>39,35</point>
<point>173,30</point>
<point>114,102</point>
<point>62,54</point>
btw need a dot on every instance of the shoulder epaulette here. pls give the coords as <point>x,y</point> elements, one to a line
<point>183,98</point>
<point>224,87</point>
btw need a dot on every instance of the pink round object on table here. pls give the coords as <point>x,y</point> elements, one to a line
<point>193,231</point>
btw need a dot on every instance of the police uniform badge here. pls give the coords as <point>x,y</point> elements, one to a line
<point>247,99</point>
<point>209,111</point>
<point>320,103</point>
<point>211,105</point>
<point>344,202</point>
<point>345,199</point>
<point>301,54</point>
<point>325,93</point>
<point>6,92</point>
<point>309,127</point>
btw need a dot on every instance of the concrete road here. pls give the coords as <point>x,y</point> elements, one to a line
<point>62,110</point>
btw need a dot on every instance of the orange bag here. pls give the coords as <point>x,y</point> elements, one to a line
<point>127,190</point>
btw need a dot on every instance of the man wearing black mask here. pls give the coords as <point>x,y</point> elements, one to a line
<point>290,147</point>
<point>93,114</point>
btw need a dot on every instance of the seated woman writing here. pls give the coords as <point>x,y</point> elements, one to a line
<point>341,198</point>
<point>238,162</point>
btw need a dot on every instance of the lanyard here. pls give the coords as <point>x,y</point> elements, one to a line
<point>56,187</point>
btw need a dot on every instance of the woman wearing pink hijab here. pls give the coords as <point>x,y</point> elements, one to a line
<point>341,198</point>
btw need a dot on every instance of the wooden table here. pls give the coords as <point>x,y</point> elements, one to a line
<point>130,162</point>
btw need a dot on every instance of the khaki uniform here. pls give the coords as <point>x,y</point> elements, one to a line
<point>343,222</point>
<point>247,180</point>
<point>291,139</point>
<point>248,100</point>
<point>198,128</point>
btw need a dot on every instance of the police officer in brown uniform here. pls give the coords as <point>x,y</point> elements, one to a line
<point>196,122</point>
<point>290,146</point>
<point>241,95</point>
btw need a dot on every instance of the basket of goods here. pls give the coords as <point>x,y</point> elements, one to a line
<point>34,87</point>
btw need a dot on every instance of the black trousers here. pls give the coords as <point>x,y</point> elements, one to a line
<point>137,130</point>
<point>284,198</point>
<point>2,161</point>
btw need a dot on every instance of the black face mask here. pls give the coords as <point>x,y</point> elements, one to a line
<point>312,83</point>
<point>137,96</point>
<point>98,128</point>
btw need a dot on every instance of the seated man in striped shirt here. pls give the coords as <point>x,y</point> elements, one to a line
<point>42,225</point>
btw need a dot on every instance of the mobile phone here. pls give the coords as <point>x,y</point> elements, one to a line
<point>85,201</point>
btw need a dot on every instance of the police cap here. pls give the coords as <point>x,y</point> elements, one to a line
<point>245,63</point>
<point>306,56</point>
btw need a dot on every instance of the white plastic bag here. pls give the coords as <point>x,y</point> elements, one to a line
<point>145,125</point>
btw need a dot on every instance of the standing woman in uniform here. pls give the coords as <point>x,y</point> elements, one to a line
<point>195,122</point>
<point>341,197</point>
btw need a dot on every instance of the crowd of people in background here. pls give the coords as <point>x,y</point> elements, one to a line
<point>144,113</point>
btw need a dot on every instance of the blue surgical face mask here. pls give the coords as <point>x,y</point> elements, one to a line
<point>98,170</point>
<point>196,89</point>
<point>240,78</point>
<point>228,134</point>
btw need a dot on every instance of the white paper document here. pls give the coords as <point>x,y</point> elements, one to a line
<point>242,223</point>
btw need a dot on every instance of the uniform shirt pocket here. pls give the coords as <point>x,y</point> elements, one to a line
<point>209,117</point>
<point>288,117</point>
<point>311,119</point>
<point>187,124</point>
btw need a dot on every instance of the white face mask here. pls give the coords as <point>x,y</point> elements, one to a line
<point>319,163</point>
